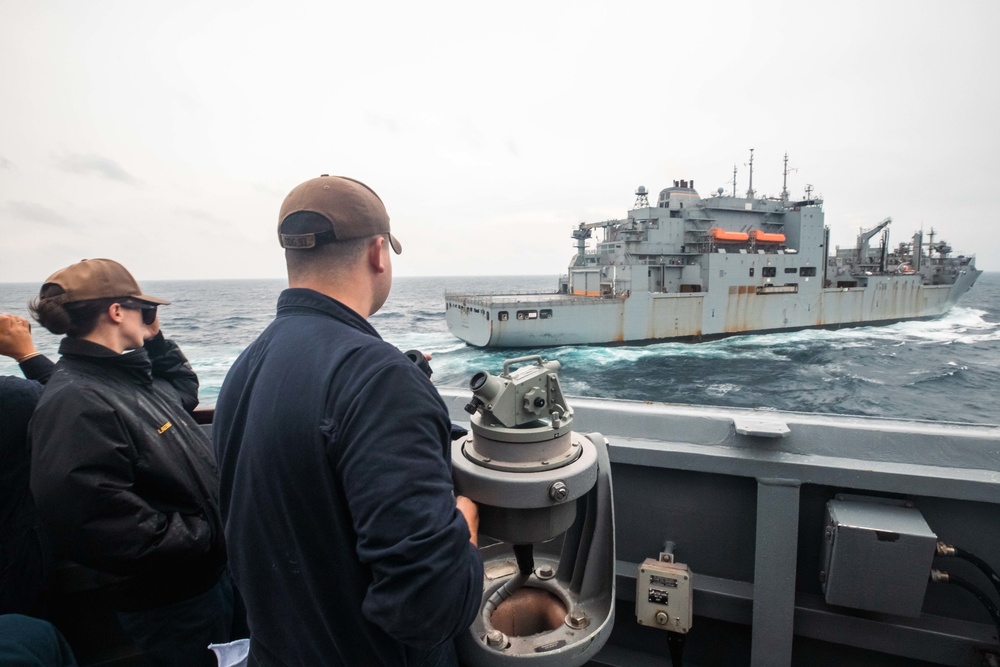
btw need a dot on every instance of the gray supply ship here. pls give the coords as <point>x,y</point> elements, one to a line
<point>693,268</point>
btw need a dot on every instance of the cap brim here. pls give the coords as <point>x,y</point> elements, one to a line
<point>396,245</point>
<point>152,299</point>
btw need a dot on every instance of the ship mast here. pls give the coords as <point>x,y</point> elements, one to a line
<point>734,180</point>
<point>784,182</point>
<point>750,192</point>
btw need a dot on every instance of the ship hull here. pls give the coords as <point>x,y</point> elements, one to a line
<point>651,317</point>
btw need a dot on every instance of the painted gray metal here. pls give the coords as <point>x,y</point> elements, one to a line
<point>747,513</point>
<point>876,556</point>
<point>585,580</point>
<point>659,275</point>
<point>774,571</point>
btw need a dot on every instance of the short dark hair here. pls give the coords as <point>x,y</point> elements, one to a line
<point>325,258</point>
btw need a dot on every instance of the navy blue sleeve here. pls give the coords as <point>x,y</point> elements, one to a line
<point>427,576</point>
<point>38,368</point>
<point>17,401</point>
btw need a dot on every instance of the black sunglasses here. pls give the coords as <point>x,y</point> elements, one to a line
<point>148,311</point>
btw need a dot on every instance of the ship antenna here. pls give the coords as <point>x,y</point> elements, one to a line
<point>734,180</point>
<point>784,182</point>
<point>750,189</point>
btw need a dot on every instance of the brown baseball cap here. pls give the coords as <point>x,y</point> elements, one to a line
<point>97,279</point>
<point>348,209</point>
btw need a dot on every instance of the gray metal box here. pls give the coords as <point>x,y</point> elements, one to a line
<point>877,555</point>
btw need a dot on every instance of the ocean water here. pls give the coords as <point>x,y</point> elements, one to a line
<point>946,369</point>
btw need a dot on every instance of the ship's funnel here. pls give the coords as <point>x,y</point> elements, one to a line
<point>544,496</point>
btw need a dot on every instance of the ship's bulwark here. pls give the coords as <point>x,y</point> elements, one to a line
<point>689,270</point>
<point>741,495</point>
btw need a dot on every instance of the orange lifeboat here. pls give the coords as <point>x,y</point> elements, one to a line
<point>729,237</point>
<point>764,237</point>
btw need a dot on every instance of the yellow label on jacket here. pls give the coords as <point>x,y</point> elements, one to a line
<point>164,428</point>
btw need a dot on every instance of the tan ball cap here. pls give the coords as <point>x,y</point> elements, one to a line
<point>97,279</point>
<point>352,210</point>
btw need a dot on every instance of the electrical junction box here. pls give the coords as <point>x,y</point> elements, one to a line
<point>663,595</point>
<point>877,555</point>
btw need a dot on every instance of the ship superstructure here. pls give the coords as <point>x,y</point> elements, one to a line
<point>693,268</point>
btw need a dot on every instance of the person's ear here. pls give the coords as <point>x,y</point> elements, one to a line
<point>376,257</point>
<point>116,312</point>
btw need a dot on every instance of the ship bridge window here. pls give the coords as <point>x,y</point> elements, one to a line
<point>769,271</point>
<point>751,272</point>
<point>807,271</point>
<point>527,314</point>
<point>791,269</point>
<point>502,316</point>
<point>545,314</point>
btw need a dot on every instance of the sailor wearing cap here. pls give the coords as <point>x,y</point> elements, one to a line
<point>123,477</point>
<point>346,539</point>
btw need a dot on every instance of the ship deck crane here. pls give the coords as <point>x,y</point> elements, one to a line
<point>865,236</point>
<point>584,231</point>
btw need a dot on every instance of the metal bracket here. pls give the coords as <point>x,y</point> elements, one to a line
<point>761,428</point>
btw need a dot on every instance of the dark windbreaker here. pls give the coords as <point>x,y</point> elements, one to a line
<point>123,477</point>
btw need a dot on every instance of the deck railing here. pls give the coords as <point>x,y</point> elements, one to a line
<point>463,295</point>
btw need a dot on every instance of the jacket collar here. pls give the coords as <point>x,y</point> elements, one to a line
<point>301,301</point>
<point>135,364</point>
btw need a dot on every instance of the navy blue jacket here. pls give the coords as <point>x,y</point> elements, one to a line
<point>24,559</point>
<point>340,514</point>
<point>23,562</point>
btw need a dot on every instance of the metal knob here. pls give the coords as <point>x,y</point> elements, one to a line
<point>558,492</point>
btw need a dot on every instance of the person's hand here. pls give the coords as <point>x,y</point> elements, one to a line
<point>471,514</point>
<point>428,357</point>
<point>153,329</point>
<point>15,337</point>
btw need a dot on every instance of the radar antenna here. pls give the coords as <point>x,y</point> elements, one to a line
<point>641,198</point>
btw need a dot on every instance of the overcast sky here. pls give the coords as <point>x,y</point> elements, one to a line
<point>165,135</point>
